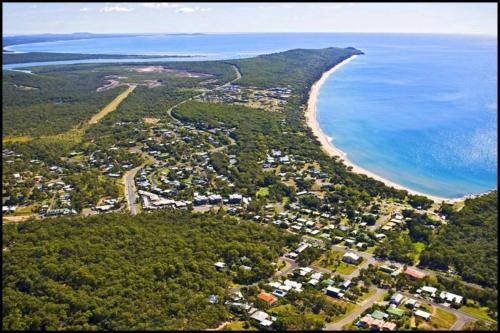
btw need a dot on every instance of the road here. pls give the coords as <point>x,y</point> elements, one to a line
<point>367,303</point>
<point>462,317</point>
<point>381,221</point>
<point>130,193</point>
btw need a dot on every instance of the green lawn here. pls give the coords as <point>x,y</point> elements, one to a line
<point>478,312</point>
<point>345,268</point>
<point>369,294</point>
<point>23,210</point>
<point>262,192</point>
<point>370,249</point>
<point>330,259</point>
<point>443,319</point>
<point>238,326</point>
<point>349,308</point>
<point>419,247</point>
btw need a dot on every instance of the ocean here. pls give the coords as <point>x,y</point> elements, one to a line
<point>420,110</point>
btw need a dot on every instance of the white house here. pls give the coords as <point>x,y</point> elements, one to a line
<point>351,258</point>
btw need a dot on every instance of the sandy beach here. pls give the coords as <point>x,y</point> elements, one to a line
<point>331,150</point>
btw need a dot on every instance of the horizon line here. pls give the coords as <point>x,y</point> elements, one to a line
<point>255,32</point>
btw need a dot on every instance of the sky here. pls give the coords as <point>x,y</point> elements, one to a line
<point>162,17</point>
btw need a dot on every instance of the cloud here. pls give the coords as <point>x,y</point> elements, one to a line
<point>187,10</point>
<point>116,9</point>
<point>156,5</point>
<point>84,9</point>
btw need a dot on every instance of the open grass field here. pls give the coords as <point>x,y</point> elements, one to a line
<point>16,139</point>
<point>479,312</point>
<point>443,319</point>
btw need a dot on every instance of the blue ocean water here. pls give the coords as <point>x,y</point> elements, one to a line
<point>420,110</point>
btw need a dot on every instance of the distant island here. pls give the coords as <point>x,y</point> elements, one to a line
<point>41,38</point>
<point>20,58</point>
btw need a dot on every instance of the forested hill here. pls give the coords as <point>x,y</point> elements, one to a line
<point>112,272</point>
<point>469,242</point>
<point>299,68</point>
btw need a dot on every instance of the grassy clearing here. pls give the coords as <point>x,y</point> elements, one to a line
<point>349,308</point>
<point>369,294</point>
<point>330,259</point>
<point>478,312</point>
<point>419,247</point>
<point>443,319</point>
<point>238,326</point>
<point>262,192</point>
<point>16,139</point>
<point>345,268</point>
<point>23,210</point>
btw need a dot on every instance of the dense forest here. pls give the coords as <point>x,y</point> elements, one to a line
<point>151,271</point>
<point>468,243</point>
<point>31,102</point>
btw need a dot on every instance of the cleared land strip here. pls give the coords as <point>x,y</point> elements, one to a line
<point>75,134</point>
<point>111,106</point>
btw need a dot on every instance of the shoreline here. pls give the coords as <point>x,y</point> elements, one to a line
<point>328,147</point>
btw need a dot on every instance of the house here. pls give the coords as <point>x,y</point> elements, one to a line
<point>262,318</point>
<point>377,314</point>
<point>327,282</point>
<point>451,298</point>
<point>345,284</point>
<point>397,298</point>
<point>200,200</point>
<point>279,293</point>
<point>334,292</point>
<point>411,272</point>
<point>351,258</point>
<point>301,248</point>
<point>104,208</point>
<point>213,299</point>
<point>411,303</point>
<point>235,198</point>
<point>378,323</point>
<point>214,199</point>
<point>220,265</point>
<point>268,298</point>
<point>422,314</point>
<point>429,290</point>
<point>361,245</point>
<point>349,242</point>
<point>393,310</point>
<point>293,284</point>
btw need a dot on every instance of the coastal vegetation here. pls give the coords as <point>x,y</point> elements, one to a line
<point>468,243</point>
<point>156,270</point>
<point>151,271</point>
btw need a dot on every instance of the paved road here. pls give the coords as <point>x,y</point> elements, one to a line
<point>381,221</point>
<point>337,326</point>
<point>462,317</point>
<point>130,193</point>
